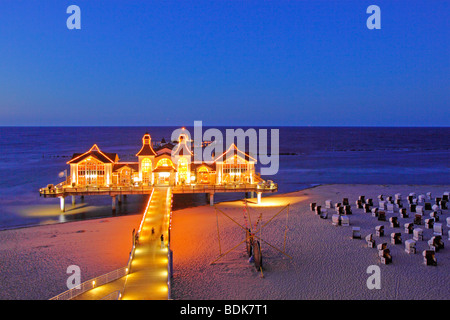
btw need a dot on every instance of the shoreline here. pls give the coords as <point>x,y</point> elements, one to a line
<point>199,205</point>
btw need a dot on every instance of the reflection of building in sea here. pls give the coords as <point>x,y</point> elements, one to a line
<point>166,164</point>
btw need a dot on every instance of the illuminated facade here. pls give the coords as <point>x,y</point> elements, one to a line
<point>167,164</point>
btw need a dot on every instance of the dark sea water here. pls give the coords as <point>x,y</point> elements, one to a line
<point>32,157</point>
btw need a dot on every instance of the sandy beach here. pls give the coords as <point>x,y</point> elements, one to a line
<point>326,262</point>
<point>34,260</point>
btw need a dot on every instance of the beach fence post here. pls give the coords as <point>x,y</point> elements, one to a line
<point>62,203</point>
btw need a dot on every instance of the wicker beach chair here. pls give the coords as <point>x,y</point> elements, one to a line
<point>418,234</point>
<point>434,215</point>
<point>436,243</point>
<point>347,209</point>
<point>429,258</point>
<point>374,212</point>
<point>410,246</point>
<point>381,216</point>
<point>318,210</point>
<point>339,210</point>
<point>336,220</point>
<point>421,198</point>
<point>418,219</point>
<point>396,238</point>
<point>393,222</point>
<point>358,204</point>
<point>379,231</point>
<point>312,206</point>
<point>409,227</point>
<point>403,213</point>
<point>436,208</point>
<point>369,240</point>
<point>429,223</point>
<point>328,204</point>
<point>356,233</point>
<point>345,221</point>
<point>384,254</point>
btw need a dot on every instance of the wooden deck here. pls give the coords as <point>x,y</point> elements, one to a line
<point>65,190</point>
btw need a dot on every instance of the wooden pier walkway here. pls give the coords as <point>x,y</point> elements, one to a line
<point>148,276</point>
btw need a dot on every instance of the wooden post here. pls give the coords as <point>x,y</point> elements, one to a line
<point>73,201</point>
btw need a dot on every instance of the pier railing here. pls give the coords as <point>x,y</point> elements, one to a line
<point>92,284</point>
<point>63,190</point>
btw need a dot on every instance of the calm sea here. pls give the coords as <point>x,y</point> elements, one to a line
<point>32,157</point>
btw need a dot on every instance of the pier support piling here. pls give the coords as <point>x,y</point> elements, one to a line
<point>73,201</point>
<point>62,203</point>
<point>119,199</point>
<point>258,200</point>
<point>113,203</point>
<point>211,199</point>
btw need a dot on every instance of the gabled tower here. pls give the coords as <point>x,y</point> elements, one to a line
<point>146,158</point>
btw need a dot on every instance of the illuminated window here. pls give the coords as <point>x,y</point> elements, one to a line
<point>183,169</point>
<point>91,172</point>
<point>146,166</point>
<point>164,163</point>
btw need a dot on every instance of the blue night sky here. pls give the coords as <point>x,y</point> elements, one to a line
<point>225,62</point>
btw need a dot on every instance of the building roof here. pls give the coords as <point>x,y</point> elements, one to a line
<point>210,166</point>
<point>146,149</point>
<point>132,165</point>
<point>96,153</point>
<point>234,151</point>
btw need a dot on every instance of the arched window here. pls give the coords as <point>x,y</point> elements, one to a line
<point>146,168</point>
<point>91,172</point>
<point>183,170</point>
<point>164,163</point>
